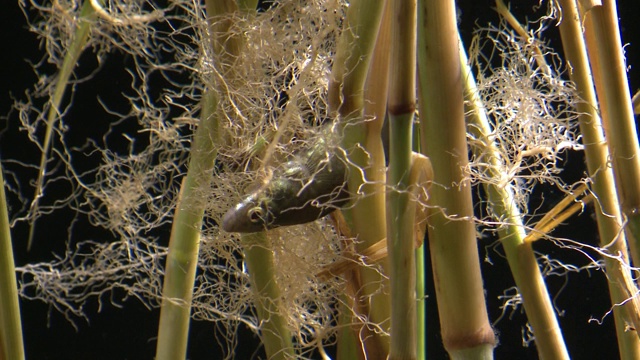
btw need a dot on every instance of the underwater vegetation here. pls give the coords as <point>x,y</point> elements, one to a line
<point>321,179</point>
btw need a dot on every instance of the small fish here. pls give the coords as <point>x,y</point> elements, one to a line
<point>310,186</point>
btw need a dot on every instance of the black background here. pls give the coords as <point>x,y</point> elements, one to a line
<point>129,332</point>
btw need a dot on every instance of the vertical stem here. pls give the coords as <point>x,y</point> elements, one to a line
<point>609,69</point>
<point>258,253</point>
<point>184,244</point>
<point>401,214</point>
<point>452,237</point>
<point>421,308</point>
<point>362,143</point>
<point>607,207</point>
<point>400,242</point>
<point>273,326</point>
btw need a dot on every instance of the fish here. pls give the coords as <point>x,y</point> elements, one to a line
<point>308,187</point>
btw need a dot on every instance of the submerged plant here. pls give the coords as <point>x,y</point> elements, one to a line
<point>225,100</point>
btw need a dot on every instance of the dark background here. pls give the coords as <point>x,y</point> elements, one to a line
<point>129,332</point>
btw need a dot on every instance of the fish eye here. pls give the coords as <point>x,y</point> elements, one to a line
<point>256,215</point>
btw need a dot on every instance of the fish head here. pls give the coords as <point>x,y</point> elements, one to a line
<point>252,214</point>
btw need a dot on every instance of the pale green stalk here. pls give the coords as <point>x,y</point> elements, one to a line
<point>400,241</point>
<point>401,213</point>
<point>11,344</point>
<point>421,271</point>
<point>465,327</point>
<point>375,107</point>
<point>247,5</point>
<point>182,257</point>
<point>274,333</point>
<point>610,75</point>
<point>80,39</point>
<point>362,143</point>
<point>607,207</point>
<point>522,261</point>
<point>421,306</point>
<point>349,344</point>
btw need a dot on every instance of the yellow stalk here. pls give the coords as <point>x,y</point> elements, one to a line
<point>607,207</point>
<point>452,237</point>
<point>362,143</point>
<point>610,76</point>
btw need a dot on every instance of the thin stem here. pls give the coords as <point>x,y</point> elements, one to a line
<point>274,333</point>
<point>80,39</point>
<point>520,256</point>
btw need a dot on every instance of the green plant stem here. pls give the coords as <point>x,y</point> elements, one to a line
<point>258,254</point>
<point>522,261</point>
<point>273,326</point>
<point>80,39</point>
<point>400,242</point>
<point>373,199</point>
<point>610,75</point>
<point>11,343</point>
<point>452,238</point>
<point>182,257</point>
<point>362,143</point>
<point>607,207</point>
<point>421,278</point>
<point>421,308</point>
<point>247,5</point>
<point>401,208</point>
<point>347,340</point>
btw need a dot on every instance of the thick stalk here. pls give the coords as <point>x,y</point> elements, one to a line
<point>401,214</point>
<point>274,333</point>
<point>371,206</point>
<point>452,238</point>
<point>11,344</point>
<point>610,75</point>
<point>607,206</point>
<point>364,148</point>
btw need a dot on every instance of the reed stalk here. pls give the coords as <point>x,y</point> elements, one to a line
<point>11,342</point>
<point>464,322</point>
<point>612,238</point>
<point>401,208</point>
<point>610,77</point>
<point>259,257</point>
<point>274,333</point>
<point>362,142</point>
<point>182,257</point>
<point>522,261</point>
